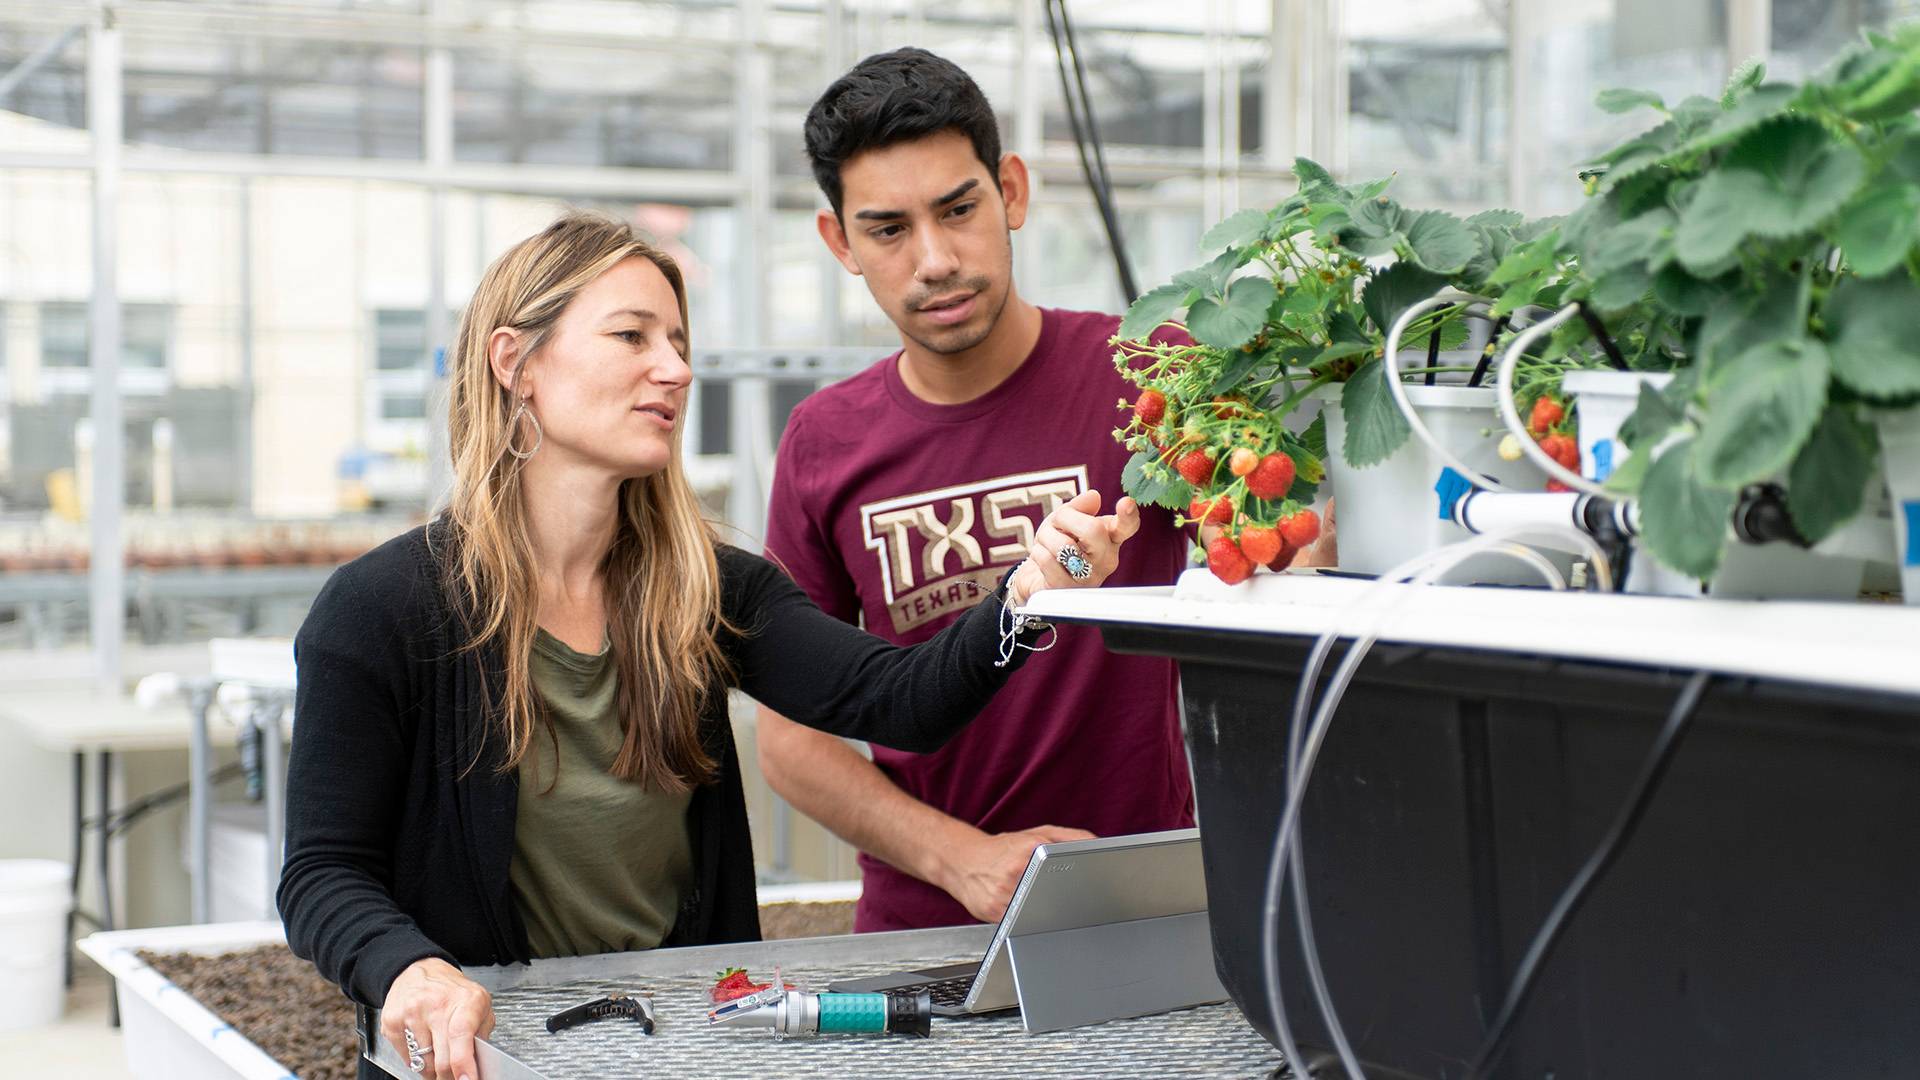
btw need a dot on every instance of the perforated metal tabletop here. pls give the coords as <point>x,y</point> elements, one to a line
<point>1210,1041</point>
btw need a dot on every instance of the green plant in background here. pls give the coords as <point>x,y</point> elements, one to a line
<point>1762,247</point>
<point>1315,309</point>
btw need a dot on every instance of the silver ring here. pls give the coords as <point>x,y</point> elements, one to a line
<point>416,1054</point>
<point>1074,563</point>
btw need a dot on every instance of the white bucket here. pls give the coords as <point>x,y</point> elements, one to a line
<point>1391,512</point>
<point>34,901</point>
<point>1900,451</point>
<point>1603,400</point>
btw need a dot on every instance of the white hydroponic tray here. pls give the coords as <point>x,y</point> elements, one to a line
<point>169,1035</point>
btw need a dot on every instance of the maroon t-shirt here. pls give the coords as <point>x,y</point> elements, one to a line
<point>898,513</point>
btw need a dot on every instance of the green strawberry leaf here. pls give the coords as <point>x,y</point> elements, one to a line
<point>1878,228</point>
<point>1315,437</point>
<point>1741,320</point>
<point>1340,350</point>
<point>1498,219</point>
<point>1874,328</point>
<point>1375,427</point>
<point>1761,408</point>
<point>1620,101</point>
<point>1156,306</point>
<point>1237,369</point>
<point>1310,173</point>
<point>1376,217</point>
<point>1237,231</point>
<point>1684,294</point>
<point>1683,519</point>
<point>1652,417</point>
<point>1629,474</point>
<point>1440,242</point>
<point>1395,289</point>
<point>1234,322</point>
<point>1211,279</point>
<point>1342,326</point>
<point>1781,180</point>
<point>1745,78</point>
<point>1828,481</point>
<point>1168,492</point>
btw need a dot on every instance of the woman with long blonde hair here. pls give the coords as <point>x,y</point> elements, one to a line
<point>513,738</point>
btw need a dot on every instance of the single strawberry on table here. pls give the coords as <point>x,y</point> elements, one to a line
<point>736,983</point>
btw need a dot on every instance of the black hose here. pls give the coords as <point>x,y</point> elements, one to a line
<point>1589,874</point>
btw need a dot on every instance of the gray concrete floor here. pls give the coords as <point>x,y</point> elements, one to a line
<point>80,1045</point>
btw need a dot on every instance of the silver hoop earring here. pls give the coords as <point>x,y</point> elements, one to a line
<point>513,428</point>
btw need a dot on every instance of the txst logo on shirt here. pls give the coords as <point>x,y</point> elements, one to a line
<point>945,549</point>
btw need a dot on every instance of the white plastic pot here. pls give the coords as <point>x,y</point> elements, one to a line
<point>1602,401</point>
<point>1391,512</point>
<point>1900,453</point>
<point>34,901</point>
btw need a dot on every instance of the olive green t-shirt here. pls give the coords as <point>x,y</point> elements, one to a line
<point>599,863</point>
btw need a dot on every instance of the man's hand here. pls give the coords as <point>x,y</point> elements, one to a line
<point>444,1010</point>
<point>983,871</point>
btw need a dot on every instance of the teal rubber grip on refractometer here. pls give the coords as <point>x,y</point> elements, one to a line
<point>853,1012</point>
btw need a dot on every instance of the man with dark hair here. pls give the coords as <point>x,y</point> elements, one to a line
<point>902,494</point>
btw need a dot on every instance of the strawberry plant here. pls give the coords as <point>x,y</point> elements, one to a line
<point>1293,299</point>
<point>1766,248</point>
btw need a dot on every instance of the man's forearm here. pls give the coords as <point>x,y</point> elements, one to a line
<point>832,783</point>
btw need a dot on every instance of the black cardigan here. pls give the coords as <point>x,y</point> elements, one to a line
<point>393,855</point>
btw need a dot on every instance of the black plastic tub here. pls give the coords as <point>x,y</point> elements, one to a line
<point>1764,921</point>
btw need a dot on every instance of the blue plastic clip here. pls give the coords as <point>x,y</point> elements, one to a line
<point>1602,460</point>
<point>1911,508</point>
<point>440,362</point>
<point>1451,487</point>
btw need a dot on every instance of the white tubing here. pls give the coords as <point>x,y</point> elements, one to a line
<point>1390,359</point>
<point>1510,414</point>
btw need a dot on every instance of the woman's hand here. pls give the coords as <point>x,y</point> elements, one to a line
<point>445,1011</point>
<point>1095,539</point>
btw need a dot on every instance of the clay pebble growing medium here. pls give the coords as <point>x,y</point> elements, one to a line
<point>278,1002</point>
<point>274,1000</point>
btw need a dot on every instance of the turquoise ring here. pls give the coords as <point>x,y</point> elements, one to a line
<point>1074,563</point>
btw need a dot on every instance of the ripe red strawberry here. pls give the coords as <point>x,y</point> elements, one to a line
<point>1227,562</point>
<point>1227,408</point>
<point>1149,407</point>
<point>1260,543</point>
<point>1242,461</point>
<point>1562,449</point>
<point>733,984</point>
<point>1215,511</point>
<point>1196,466</point>
<point>1301,529</point>
<point>1546,413</point>
<point>1271,478</point>
<point>1557,487</point>
<point>1285,559</point>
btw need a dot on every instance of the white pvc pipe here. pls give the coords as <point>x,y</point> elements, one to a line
<point>1510,414</point>
<point>1390,359</point>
